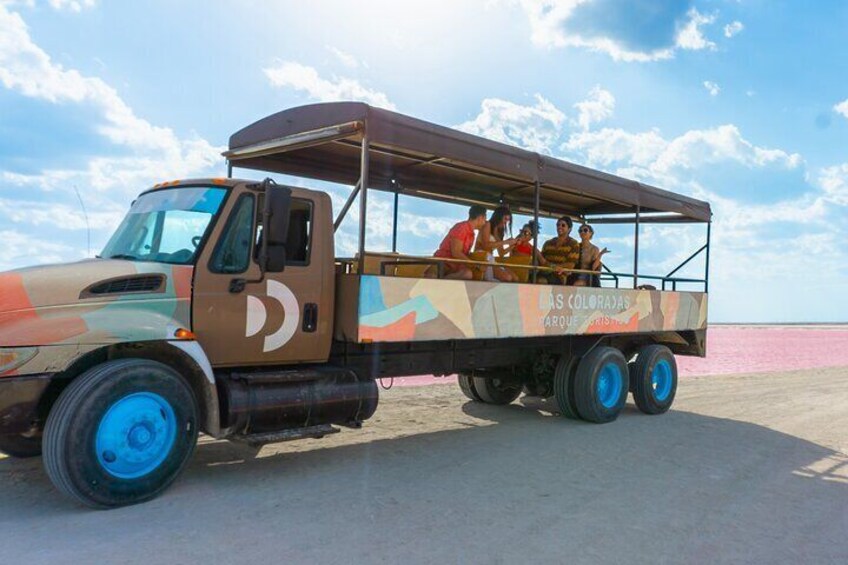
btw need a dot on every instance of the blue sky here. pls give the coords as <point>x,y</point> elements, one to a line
<point>743,103</point>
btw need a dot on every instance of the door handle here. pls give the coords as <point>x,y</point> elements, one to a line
<point>310,317</point>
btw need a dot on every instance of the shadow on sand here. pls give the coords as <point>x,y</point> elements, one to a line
<point>507,483</point>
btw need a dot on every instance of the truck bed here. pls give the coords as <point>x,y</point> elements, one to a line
<point>373,309</point>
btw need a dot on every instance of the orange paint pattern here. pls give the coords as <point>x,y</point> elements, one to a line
<point>670,307</point>
<point>20,325</point>
<point>13,295</point>
<point>404,328</point>
<point>607,325</point>
<point>182,281</point>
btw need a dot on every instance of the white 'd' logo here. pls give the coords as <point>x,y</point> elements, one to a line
<point>256,316</point>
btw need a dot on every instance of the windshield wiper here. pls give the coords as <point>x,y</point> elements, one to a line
<point>124,256</point>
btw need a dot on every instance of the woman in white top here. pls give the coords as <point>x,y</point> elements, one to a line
<point>491,239</point>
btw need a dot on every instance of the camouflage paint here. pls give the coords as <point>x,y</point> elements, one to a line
<point>41,306</point>
<point>402,309</point>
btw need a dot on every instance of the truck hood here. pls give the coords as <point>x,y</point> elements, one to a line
<point>101,299</point>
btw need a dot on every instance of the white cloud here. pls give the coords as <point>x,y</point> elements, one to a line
<point>733,28</point>
<point>72,5</point>
<point>153,153</point>
<point>19,248</point>
<point>842,108</point>
<point>834,181</point>
<point>345,59</point>
<point>712,88</point>
<point>29,70</point>
<point>34,213</point>
<point>301,77</point>
<point>548,20</point>
<point>690,35</point>
<point>649,156</point>
<point>536,127</point>
<point>596,108</point>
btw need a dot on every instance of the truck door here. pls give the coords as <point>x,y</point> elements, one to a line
<point>243,318</point>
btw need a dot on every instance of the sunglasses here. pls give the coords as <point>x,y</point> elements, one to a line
<point>562,225</point>
<point>585,230</point>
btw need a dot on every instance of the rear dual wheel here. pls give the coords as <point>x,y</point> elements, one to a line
<point>654,379</point>
<point>121,433</point>
<point>492,389</point>
<point>596,389</point>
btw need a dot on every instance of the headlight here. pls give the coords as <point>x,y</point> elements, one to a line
<point>13,357</point>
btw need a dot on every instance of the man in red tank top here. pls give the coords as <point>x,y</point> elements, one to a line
<point>457,244</point>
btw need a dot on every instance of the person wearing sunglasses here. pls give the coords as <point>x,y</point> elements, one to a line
<point>561,252</point>
<point>590,257</point>
<point>524,246</point>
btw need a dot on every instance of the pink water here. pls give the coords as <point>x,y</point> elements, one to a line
<point>745,349</point>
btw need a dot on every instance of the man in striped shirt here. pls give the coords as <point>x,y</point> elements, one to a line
<point>562,252</point>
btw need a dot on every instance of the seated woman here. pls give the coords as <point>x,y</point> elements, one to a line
<point>524,246</point>
<point>491,240</point>
<point>457,245</point>
<point>590,257</point>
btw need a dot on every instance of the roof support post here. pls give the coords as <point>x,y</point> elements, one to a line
<point>363,200</point>
<point>229,170</point>
<point>636,250</point>
<point>537,188</point>
<point>394,224</point>
<point>348,203</point>
<point>707,260</point>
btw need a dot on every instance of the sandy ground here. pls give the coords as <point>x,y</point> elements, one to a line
<point>744,469</point>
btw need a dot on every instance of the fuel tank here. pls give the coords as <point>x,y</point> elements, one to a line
<point>263,401</point>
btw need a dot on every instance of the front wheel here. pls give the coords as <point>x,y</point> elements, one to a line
<point>121,433</point>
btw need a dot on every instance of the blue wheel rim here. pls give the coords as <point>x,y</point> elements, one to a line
<point>136,435</point>
<point>661,380</point>
<point>609,385</point>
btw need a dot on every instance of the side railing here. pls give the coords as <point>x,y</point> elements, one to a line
<point>390,266</point>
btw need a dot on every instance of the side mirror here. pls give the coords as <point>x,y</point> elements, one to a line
<point>275,227</point>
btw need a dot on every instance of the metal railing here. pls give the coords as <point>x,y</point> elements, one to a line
<point>396,260</point>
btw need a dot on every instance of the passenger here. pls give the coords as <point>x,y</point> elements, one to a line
<point>561,252</point>
<point>590,258</point>
<point>524,247</point>
<point>457,245</point>
<point>491,239</point>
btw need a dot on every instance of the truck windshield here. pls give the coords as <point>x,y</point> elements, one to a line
<point>165,226</point>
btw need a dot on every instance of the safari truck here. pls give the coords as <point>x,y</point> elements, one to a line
<point>220,305</point>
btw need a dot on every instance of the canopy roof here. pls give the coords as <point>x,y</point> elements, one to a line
<point>411,156</point>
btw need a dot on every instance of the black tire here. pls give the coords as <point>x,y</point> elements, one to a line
<point>76,424</point>
<point>601,384</point>
<point>654,379</point>
<point>466,385</point>
<point>496,390</point>
<point>564,386</point>
<point>20,446</point>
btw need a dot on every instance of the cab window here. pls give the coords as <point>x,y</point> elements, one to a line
<point>299,242</point>
<point>233,252</point>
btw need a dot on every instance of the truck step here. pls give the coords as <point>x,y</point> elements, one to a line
<point>256,440</point>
